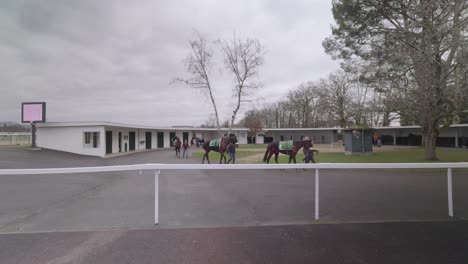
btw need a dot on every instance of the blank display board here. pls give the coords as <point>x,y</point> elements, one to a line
<point>33,112</point>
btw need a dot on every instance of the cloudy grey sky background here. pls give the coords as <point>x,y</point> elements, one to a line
<point>99,60</point>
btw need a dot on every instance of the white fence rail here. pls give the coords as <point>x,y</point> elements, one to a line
<point>317,167</point>
<point>14,138</point>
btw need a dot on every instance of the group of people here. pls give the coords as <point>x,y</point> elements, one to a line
<point>197,141</point>
<point>184,147</point>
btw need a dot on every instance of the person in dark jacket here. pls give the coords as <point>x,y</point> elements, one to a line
<point>231,149</point>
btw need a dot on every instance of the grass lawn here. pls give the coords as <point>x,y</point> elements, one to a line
<point>252,146</point>
<point>254,154</point>
<point>396,156</point>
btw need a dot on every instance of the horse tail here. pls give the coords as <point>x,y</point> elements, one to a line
<point>266,153</point>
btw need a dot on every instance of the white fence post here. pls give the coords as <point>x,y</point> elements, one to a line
<point>156,196</point>
<point>449,192</point>
<point>317,194</point>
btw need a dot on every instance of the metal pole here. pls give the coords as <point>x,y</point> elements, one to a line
<point>317,194</point>
<point>156,196</point>
<point>449,191</point>
<point>33,135</point>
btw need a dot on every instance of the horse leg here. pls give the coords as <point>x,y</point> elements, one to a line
<point>203,160</point>
<point>224,158</point>
<point>276,157</point>
<point>269,157</point>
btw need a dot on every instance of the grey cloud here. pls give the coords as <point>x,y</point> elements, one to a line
<point>114,60</point>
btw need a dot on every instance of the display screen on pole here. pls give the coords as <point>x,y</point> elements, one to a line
<point>33,112</point>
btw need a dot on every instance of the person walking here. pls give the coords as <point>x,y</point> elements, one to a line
<point>308,153</point>
<point>185,149</point>
<point>232,153</point>
<point>375,138</point>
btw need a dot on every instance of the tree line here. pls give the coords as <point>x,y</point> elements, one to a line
<point>342,99</point>
<point>406,57</point>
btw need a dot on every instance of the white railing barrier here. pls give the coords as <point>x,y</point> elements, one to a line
<point>158,167</point>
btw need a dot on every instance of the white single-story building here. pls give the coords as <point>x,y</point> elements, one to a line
<point>106,138</point>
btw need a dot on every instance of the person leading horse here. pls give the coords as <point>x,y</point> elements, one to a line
<point>292,149</point>
<point>218,145</point>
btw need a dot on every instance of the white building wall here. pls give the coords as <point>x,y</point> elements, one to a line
<point>259,138</point>
<point>71,139</point>
<point>142,138</point>
<point>167,138</point>
<point>154,139</point>
<point>242,137</point>
<point>139,136</point>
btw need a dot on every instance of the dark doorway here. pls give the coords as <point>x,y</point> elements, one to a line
<point>171,138</point>
<point>160,139</point>
<point>120,141</point>
<point>185,137</point>
<point>108,142</point>
<point>131,139</point>
<point>148,140</point>
<point>251,140</point>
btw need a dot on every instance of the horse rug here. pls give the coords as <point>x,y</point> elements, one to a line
<point>286,145</point>
<point>214,143</point>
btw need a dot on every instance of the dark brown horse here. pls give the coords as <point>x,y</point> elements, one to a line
<point>177,144</point>
<point>273,148</point>
<point>224,142</point>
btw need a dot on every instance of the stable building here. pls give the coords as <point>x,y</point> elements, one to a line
<point>453,136</point>
<point>318,135</point>
<point>105,139</point>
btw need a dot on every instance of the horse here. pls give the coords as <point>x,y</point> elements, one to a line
<point>177,145</point>
<point>224,142</point>
<point>273,148</point>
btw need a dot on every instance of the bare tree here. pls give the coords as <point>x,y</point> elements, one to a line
<point>253,120</point>
<point>210,122</point>
<point>198,64</point>
<point>336,93</point>
<point>243,58</point>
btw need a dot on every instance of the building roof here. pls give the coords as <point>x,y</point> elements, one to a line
<point>182,128</point>
<point>397,127</point>
<point>302,129</point>
<point>113,124</point>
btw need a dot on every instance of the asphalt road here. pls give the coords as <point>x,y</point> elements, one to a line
<point>215,206</point>
<point>413,243</point>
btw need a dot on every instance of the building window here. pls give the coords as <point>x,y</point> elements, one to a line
<point>91,139</point>
<point>87,138</point>
<point>95,139</point>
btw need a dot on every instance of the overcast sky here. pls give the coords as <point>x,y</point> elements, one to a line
<point>98,60</point>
